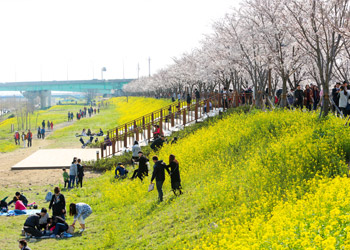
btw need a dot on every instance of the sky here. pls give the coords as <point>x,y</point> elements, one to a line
<point>73,39</point>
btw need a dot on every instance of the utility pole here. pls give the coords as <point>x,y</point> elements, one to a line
<point>149,66</point>
<point>138,70</point>
<point>123,70</point>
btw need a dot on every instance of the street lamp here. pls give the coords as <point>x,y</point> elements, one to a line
<point>103,70</point>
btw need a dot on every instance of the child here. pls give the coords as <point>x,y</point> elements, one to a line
<point>65,177</point>
<point>23,245</point>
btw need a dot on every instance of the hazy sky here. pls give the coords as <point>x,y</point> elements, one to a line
<point>43,39</point>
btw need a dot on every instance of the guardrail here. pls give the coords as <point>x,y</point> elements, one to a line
<point>178,113</point>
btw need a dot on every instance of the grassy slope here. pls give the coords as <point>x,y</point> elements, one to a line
<point>234,173</point>
<point>57,114</point>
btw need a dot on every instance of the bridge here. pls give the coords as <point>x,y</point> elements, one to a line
<point>32,90</point>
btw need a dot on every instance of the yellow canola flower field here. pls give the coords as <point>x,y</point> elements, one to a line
<point>249,181</point>
<point>263,180</point>
<point>136,107</point>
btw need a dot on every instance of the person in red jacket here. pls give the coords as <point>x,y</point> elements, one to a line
<point>17,138</point>
<point>29,138</point>
<point>51,125</point>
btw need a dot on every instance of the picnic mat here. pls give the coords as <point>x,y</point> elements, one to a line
<point>28,212</point>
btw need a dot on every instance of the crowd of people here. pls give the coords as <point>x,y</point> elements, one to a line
<point>26,138</point>
<point>83,113</point>
<point>42,225</point>
<point>159,169</point>
<point>76,174</point>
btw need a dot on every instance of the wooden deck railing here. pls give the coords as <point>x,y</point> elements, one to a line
<point>177,113</point>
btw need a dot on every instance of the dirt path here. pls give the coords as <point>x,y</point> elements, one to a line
<point>25,178</point>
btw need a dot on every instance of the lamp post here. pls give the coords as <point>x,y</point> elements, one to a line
<point>103,70</point>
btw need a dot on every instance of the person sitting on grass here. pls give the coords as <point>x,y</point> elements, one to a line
<point>23,245</point>
<point>20,197</point>
<point>122,171</point>
<point>57,225</point>
<point>32,226</point>
<point>3,205</point>
<point>19,207</point>
<point>100,133</point>
<point>80,211</point>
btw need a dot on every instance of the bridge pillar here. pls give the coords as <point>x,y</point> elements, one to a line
<point>30,96</point>
<point>45,98</point>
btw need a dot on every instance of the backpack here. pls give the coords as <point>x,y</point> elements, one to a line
<point>48,196</point>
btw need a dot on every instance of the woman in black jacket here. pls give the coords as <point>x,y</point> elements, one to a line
<point>58,203</point>
<point>175,175</point>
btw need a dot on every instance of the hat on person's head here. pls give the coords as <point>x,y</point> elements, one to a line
<point>119,163</point>
<point>140,152</point>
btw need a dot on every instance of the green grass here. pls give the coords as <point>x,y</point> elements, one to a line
<point>57,114</point>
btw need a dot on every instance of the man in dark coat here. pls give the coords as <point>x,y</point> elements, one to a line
<point>335,95</point>
<point>32,226</point>
<point>158,143</point>
<point>299,97</point>
<point>143,169</point>
<point>159,175</point>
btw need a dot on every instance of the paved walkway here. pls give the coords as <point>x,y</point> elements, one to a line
<point>54,158</point>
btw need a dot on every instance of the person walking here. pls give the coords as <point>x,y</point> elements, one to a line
<point>189,100</point>
<point>73,171</point>
<point>159,174</point>
<point>43,124</point>
<point>42,132</point>
<point>17,138</point>
<point>308,97</point>
<point>335,96</point>
<point>48,125</point>
<point>299,97</point>
<point>175,175</point>
<point>80,174</point>
<point>39,133</point>
<point>197,94</point>
<point>80,211</point>
<point>58,204</point>
<point>343,100</point>
<point>29,138</point>
<point>24,138</point>
<point>51,126</point>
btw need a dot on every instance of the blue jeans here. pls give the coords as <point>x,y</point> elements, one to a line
<point>159,185</point>
<point>18,212</point>
<point>71,181</point>
<point>59,228</point>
